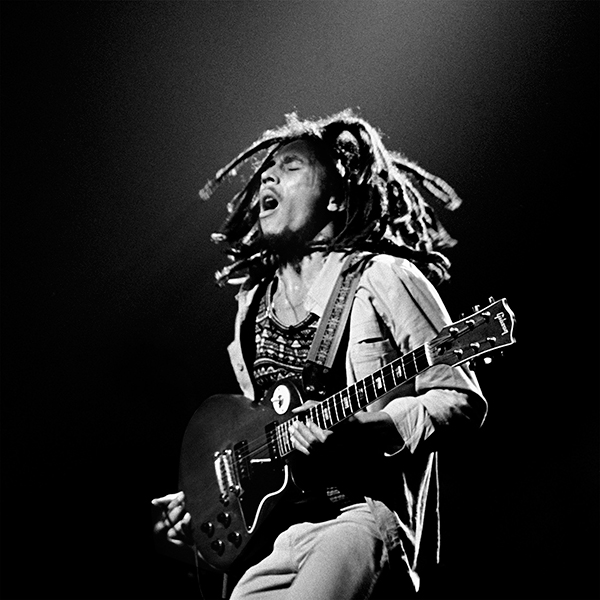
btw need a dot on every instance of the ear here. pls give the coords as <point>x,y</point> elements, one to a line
<point>336,205</point>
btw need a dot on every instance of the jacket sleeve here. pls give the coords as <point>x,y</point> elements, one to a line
<point>395,311</point>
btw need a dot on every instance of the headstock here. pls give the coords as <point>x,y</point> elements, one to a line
<point>483,332</point>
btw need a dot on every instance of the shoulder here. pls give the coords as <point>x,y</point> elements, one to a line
<point>387,269</point>
<point>396,285</point>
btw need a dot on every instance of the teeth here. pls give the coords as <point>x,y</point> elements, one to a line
<point>269,202</point>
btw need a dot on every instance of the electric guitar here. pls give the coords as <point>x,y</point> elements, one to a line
<point>235,454</point>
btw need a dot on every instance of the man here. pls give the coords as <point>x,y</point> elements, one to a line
<point>328,189</point>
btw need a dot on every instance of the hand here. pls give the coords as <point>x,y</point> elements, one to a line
<point>307,436</point>
<point>174,520</point>
<point>375,429</point>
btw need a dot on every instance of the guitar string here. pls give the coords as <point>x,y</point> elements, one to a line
<point>263,441</point>
<point>281,430</point>
<point>338,403</point>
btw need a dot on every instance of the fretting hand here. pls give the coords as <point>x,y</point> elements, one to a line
<point>374,427</point>
<point>306,435</point>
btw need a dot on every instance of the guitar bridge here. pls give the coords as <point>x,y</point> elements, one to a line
<point>226,474</point>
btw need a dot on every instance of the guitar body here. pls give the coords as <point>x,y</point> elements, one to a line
<point>231,478</point>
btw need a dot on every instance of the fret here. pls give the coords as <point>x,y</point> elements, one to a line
<point>346,397</point>
<point>279,441</point>
<point>352,399</point>
<point>388,377</point>
<point>399,373</point>
<point>349,398</point>
<point>326,414</point>
<point>421,361</point>
<point>346,401</point>
<point>287,440</point>
<point>361,396</point>
<point>379,383</point>
<point>370,391</point>
<point>322,417</point>
<point>314,415</point>
<point>337,407</point>
<point>410,368</point>
<point>288,435</point>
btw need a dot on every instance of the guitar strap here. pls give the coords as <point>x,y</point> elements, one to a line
<point>332,325</point>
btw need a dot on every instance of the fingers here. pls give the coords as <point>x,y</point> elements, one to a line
<point>174,519</point>
<point>305,436</point>
<point>304,407</point>
<point>180,530</point>
<point>169,499</point>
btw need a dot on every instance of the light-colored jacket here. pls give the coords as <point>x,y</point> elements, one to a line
<point>395,310</point>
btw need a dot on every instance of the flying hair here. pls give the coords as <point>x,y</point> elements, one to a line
<point>388,198</point>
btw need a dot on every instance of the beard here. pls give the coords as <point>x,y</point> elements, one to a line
<point>287,247</point>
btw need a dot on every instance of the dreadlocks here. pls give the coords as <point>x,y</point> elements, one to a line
<point>386,196</point>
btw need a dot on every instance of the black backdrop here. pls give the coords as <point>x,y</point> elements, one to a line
<point>114,115</point>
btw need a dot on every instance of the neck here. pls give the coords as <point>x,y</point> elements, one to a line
<point>302,273</point>
<point>295,279</point>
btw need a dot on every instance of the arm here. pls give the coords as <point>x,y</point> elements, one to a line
<point>396,310</point>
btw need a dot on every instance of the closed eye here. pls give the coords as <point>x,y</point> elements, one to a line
<point>292,163</point>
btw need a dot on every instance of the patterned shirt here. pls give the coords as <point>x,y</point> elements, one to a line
<point>281,350</point>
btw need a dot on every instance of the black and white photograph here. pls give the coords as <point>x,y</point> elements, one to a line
<point>299,300</point>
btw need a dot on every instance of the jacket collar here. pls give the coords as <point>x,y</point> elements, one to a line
<point>319,292</point>
<point>321,289</point>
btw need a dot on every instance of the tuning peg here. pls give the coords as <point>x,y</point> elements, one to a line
<point>476,308</point>
<point>491,299</point>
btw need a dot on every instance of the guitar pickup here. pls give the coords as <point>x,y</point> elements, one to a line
<point>226,474</point>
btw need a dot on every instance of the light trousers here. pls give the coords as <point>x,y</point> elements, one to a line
<point>339,559</point>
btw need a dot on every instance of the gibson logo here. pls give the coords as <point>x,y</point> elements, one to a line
<point>502,321</point>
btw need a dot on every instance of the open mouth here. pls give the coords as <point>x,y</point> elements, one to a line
<point>268,204</point>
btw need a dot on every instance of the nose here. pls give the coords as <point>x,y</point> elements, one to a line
<point>268,175</point>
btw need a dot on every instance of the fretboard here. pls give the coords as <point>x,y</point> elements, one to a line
<point>354,398</point>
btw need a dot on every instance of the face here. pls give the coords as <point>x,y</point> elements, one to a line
<point>293,199</point>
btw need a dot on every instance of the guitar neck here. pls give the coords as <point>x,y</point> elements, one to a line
<point>356,397</point>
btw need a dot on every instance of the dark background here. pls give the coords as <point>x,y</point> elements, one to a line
<point>115,114</point>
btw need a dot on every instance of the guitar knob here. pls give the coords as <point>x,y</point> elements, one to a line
<point>208,528</point>
<point>235,538</point>
<point>218,546</point>
<point>224,518</point>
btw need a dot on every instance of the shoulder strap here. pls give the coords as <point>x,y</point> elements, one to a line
<point>331,328</point>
